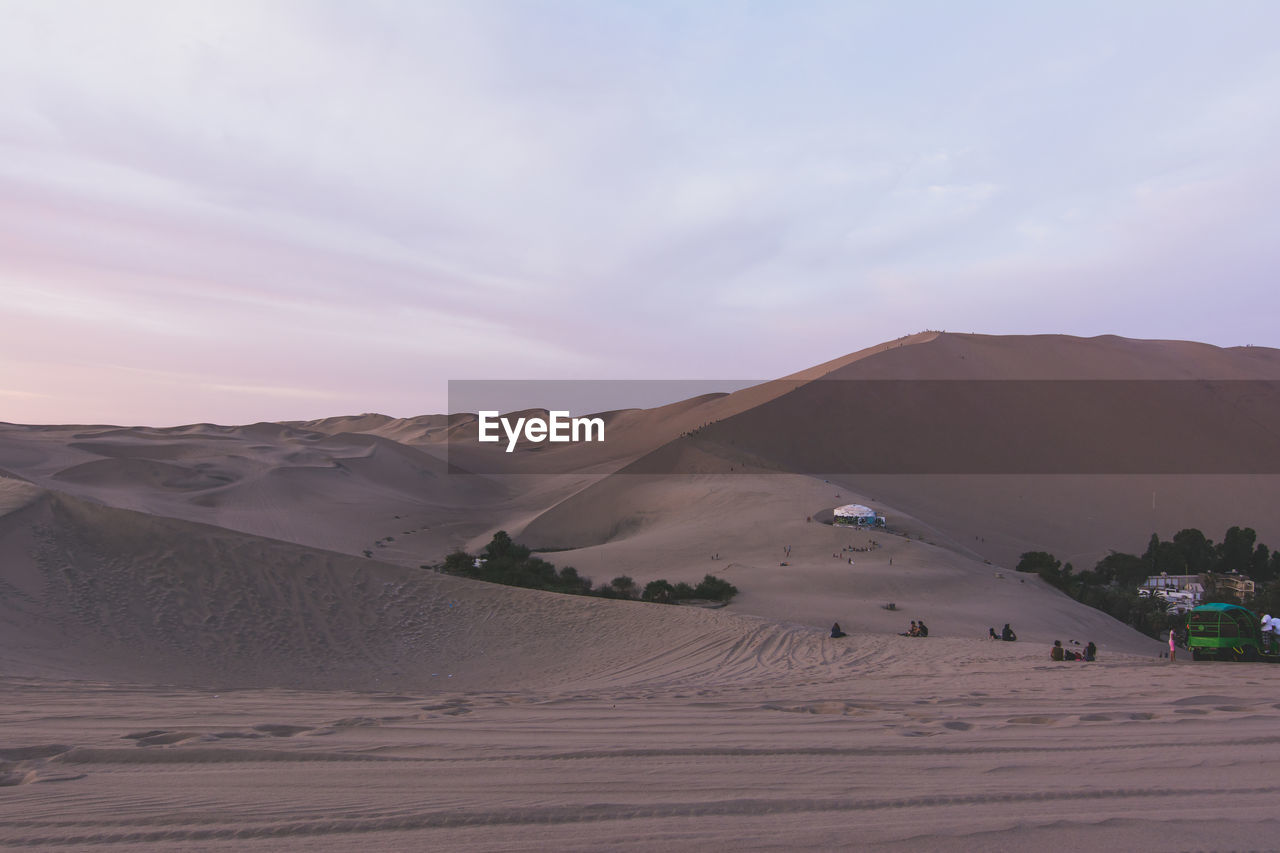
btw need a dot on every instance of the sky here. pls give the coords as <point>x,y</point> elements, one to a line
<point>238,210</point>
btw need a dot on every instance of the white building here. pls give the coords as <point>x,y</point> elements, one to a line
<point>1180,592</point>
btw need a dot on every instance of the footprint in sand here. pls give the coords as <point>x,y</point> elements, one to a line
<point>280,729</point>
<point>28,753</point>
<point>831,707</point>
<point>163,738</point>
<point>958,725</point>
<point>12,775</point>
<point>452,708</point>
<point>26,765</point>
<point>1095,718</point>
<point>355,722</point>
<point>1032,721</point>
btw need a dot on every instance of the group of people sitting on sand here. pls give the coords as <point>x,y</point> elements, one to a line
<point>917,629</point>
<point>1059,653</point>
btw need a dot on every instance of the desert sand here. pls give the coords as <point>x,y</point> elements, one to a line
<point>222,638</point>
<point>802,744</point>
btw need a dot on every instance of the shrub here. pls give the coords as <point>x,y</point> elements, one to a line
<point>715,589</point>
<point>659,591</point>
<point>505,562</point>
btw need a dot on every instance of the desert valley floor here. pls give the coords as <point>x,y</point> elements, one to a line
<point>807,744</point>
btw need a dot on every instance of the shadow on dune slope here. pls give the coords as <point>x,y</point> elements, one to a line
<point>94,592</point>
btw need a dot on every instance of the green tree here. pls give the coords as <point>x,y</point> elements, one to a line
<point>507,562</point>
<point>458,563</point>
<point>658,591</point>
<point>1260,566</point>
<point>1166,557</point>
<point>1198,552</point>
<point>625,586</point>
<point>1036,562</point>
<point>572,582</point>
<point>1235,554</point>
<point>1124,570</point>
<point>1266,599</point>
<point>715,589</point>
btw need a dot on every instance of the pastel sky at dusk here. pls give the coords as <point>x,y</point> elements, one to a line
<point>239,211</point>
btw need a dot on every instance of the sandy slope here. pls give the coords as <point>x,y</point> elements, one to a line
<point>678,524</point>
<point>996,516</point>
<point>93,591</point>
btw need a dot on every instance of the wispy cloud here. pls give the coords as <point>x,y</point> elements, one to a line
<point>373,199</point>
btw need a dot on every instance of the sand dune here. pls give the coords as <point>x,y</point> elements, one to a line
<point>93,591</point>
<point>821,427</point>
<point>195,652</point>
<point>345,492</point>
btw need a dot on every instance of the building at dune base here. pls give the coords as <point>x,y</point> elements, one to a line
<point>1179,592</point>
<point>1183,592</point>
<point>857,515</point>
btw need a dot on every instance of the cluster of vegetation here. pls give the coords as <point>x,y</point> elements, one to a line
<point>505,562</point>
<point>1112,585</point>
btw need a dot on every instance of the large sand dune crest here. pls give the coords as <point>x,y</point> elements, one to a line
<point>821,426</point>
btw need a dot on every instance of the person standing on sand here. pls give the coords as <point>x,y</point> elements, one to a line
<point>1173,650</point>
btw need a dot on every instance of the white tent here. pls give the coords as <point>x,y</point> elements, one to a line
<point>857,514</point>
